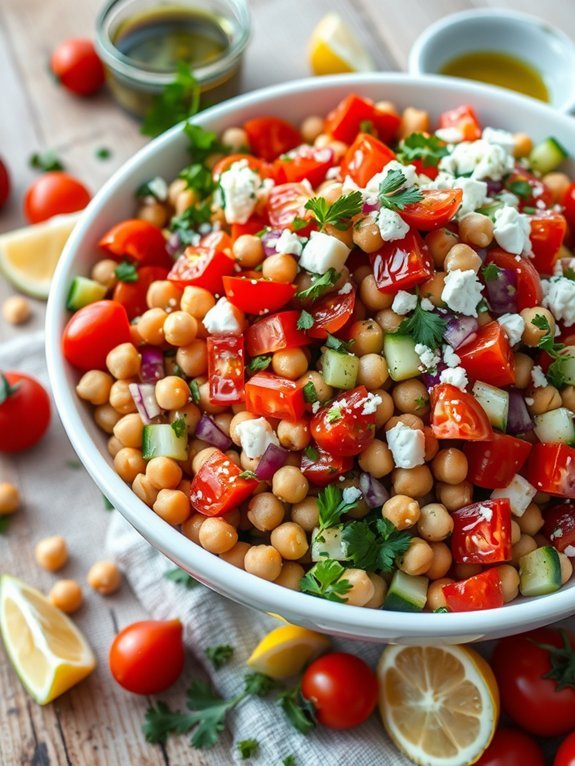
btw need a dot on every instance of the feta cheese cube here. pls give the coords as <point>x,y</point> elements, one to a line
<point>345,289</point>
<point>351,494</point>
<point>159,188</point>
<point>512,230</point>
<point>478,159</point>
<point>513,324</point>
<point>371,403</point>
<point>538,377</point>
<point>560,299</point>
<point>455,376</point>
<point>255,436</point>
<point>407,446</point>
<point>429,358</point>
<point>223,319</point>
<point>427,305</point>
<point>391,225</point>
<point>519,492</point>
<point>502,138</point>
<point>239,185</point>
<point>462,291</point>
<point>323,252</point>
<point>404,302</point>
<point>289,242</point>
<point>451,135</point>
<point>450,357</point>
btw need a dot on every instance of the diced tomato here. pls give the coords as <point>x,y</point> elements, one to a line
<point>386,124</point>
<point>488,357</point>
<point>547,233</point>
<point>464,119</point>
<point>287,202</point>
<point>482,533</point>
<point>482,591</point>
<point>568,202</point>
<point>259,166</point>
<point>364,158</point>
<point>272,396</point>
<point>437,208</point>
<point>218,487</point>
<point>217,240</point>
<point>255,295</point>
<point>274,333</point>
<point>551,469</point>
<point>269,137</point>
<point>520,181</point>
<point>132,295</point>
<point>431,171</point>
<point>345,121</point>
<point>402,264</point>
<point>252,226</point>
<point>559,527</point>
<point>325,468</point>
<point>331,313</point>
<point>137,240</point>
<point>342,427</point>
<point>529,291</point>
<point>493,464</point>
<point>455,414</point>
<point>226,369</point>
<point>202,267</point>
<point>303,163</point>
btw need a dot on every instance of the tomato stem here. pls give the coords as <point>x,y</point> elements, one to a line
<point>6,389</point>
<point>562,661</point>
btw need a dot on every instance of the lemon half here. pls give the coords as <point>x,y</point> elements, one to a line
<point>333,49</point>
<point>285,651</point>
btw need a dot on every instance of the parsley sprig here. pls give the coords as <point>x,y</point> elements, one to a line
<point>394,194</point>
<point>490,272</point>
<point>247,748</point>
<point>220,655</point>
<point>374,543</point>
<point>186,224</point>
<point>305,321</point>
<point>425,327</point>
<point>556,372</point>
<point>321,283</point>
<point>300,712</point>
<point>339,213</point>
<point>126,272</point>
<point>326,580</point>
<point>332,506</point>
<point>179,101</point>
<point>46,161</point>
<point>180,577</point>
<point>418,146</point>
<point>259,362</point>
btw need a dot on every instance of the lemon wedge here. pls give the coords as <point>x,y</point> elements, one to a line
<point>440,705</point>
<point>284,651</point>
<point>333,49</point>
<point>28,256</point>
<point>46,649</point>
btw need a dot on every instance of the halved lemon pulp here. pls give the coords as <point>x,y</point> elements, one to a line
<point>333,49</point>
<point>284,651</point>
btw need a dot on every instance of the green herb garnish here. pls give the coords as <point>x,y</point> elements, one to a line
<point>179,101</point>
<point>490,272</point>
<point>521,189</point>
<point>309,393</point>
<point>247,748</point>
<point>180,577</point>
<point>195,391</point>
<point>425,327</point>
<point>336,344</point>
<point>259,362</point>
<point>247,475</point>
<point>46,161</point>
<point>325,580</point>
<point>332,506</point>
<point>556,373</point>
<point>374,544</point>
<point>417,146</point>
<point>311,453</point>
<point>126,272</point>
<point>6,388</point>
<point>186,223</point>
<point>220,655</point>
<point>339,213</point>
<point>305,321</point>
<point>179,426</point>
<point>103,153</point>
<point>320,284</point>
<point>299,711</point>
<point>299,223</point>
<point>199,179</point>
<point>394,195</point>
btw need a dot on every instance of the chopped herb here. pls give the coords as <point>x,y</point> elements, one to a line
<point>394,195</point>
<point>367,126</point>
<point>529,210</point>
<point>103,153</point>
<point>46,161</point>
<point>309,393</point>
<point>126,272</point>
<point>247,475</point>
<point>247,748</point>
<point>375,543</point>
<point>179,426</point>
<point>199,179</point>
<point>569,273</point>
<point>202,142</point>
<point>334,414</point>
<point>289,761</point>
<point>320,284</point>
<point>299,223</point>
<point>556,372</point>
<point>73,464</point>
<point>417,146</point>
<point>305,321</point>
<point>107,504</point>
<point>421,402</point>
<point>179,101</point>
<point>195,391</point>
<point>186,223</point>
<point>311,453</point>
<point>337,345</point>
<point>324,580</point>
<point>490,272</point>
<point>441,610</point>
<point>299,711</point>
<point>220,655</point>
<point>260,685</point>
<point>332,506</point>
<point>520,188</point>
<point>4,524</point>
<point>339,213</point>
<point>259,362</point>
<point>179,577</point>
<point>425,327</point>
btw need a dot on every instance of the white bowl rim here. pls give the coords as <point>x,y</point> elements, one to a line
<point>271,597</point>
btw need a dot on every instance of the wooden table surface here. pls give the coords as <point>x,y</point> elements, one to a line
<point>97,723</point>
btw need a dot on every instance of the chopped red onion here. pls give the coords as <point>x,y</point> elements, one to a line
<point>494,187</point>
<point>502,292</point>
<point>370,207</point>
<point>272,460</point>
<point>460,330</point>
<point>374,493</point>
<point>152,367</point>
<point>269,240</point>
<point>518,419</point>
<point>211,433</point>
<point>431,379</point>
<point>174,243</point>
<point>144,396</point>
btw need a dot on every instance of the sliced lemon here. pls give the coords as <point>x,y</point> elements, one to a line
<point>46,649</point>
<point>440,705</point>
<point>333,49</point>
<point>28,256</point>
<point>284,651</point>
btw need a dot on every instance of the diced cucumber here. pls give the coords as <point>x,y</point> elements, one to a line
<point>406,593</point>
<point>402,361</point>
<point>328,544</point>
<point>494,401</point>
<point>547,155</point>
<point>339,370</point>
<point>161,440</point>
<point>519,493</point>
<point>539,572</point>
<point>84,291</point>
<point>555,426</point>
<point>491,208</point>
<point>567,365</point>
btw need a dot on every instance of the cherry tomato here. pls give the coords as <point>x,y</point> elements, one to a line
<point>254,295</point>
<point>254,163</point>
<point>437,208</point>
<point>510,747</point>
<point>536,703</point>
<point>269,137</point>
<point>569,205</point>
<point>488,357</point>
<point>364,158</point>
<point>342,688</point>
<point>287,202</point>
<point>402,264</point>
<point>132,295</point>
<point>559,527</point>
<point>4,184</point>
<point>147,657</point>
<point>325,468</point>
<point>272,396</point>
<point>202,267</point>
<point>547,234</point>
<point>78,68</point>
<point>565,756</point>
<point>342,427</point>
<point>345,121</point>
<point>274,333</point>
<point>537,190</point>
<point>490,540</point>
<point>252,226</point>
<point>138,240</point>
<point>92,332</point>
<point>494,463</point>
<point>464,119</point>
<point>54,193</point>
<point>482,591</point>
<point>305,162</point>
<point>226,369</point>
<point>529,290</point>
<point>455,414</point>
<point>218,487</point>
<point>331,313</point>
<point>550,469</point>
<point>24,411</point>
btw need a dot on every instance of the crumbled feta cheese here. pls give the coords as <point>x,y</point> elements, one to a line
<point>391,225</point>
<point>462,291</point>
<point>404,302</point>
<point>508,198</point>
<point>474,191</point>
<point>450,357</point>
<point>538,376</point>
<point>289,242</point>
<point>323,252</point>
<point>451,135</point>
<point>345,289</point>
<point>479,159</point>
<point>560,299</point>
<point>569,550</point>
<point>529,401</point>
<point>407,446</point>
<point>502,138</point>
<point>512,230</point>
<point>429,358</point>
<point>255,436</point>
<point>332,173</point>
<point>159,188</point>
<point>222,319</point>
<point>315,407</point>
<point>455,376</point>
<point>519,492</point>
<point>371,404</point>
<point>426,304</point>
<point>239,185</point>
<point>351,494</point>
<point>513,324</point>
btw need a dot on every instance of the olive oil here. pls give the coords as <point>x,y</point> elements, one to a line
<point>498,69</point>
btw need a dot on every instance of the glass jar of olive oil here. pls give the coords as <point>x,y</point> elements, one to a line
<point>142,43</point>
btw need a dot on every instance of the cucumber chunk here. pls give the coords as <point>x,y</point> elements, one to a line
<point>555,426</point>
<point>84,291</point>
<point>161,440</point>
<point>494,401</point>
<point>402,361</point>
<point>339,370</point>
<point>491,208</point>
<point>328,544</point>
<point>540,572</point>
<point>406,593</point>
<point>547,155</point>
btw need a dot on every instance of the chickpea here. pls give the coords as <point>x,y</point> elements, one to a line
<point>384,410</point>
<point>435,597</point>
<point>155,213</point>
<point>373,371</point>
<point>434,523</point>
<point>440,243</point>
<point>192,525</point>
<point>523,366</point>
<point>16,309</point>
<point>193,358</point>
<point>172,392</point>
<point>558,183</point>
<point>235,556</point>
<point>163,294</point>
<point>184,200</point>
<point>532,520</point>
<point>263,561</point>
<point>411,396</point>
<point>128,463</point>
<point>525,545</point>
<point>566,568</point>
<point>151,326</point>
<point>388,320</point>
<point>9,498</point>
<point>367,236</point>
<point>175,189</point>
<point>104,577</point>
<point>66,595</point>
<point>124,361</point>
<point>196,301</point>
<point>217,536</point>
<point>306,513</point>
<point>413,121</point>
<point>94,387</point>
<point>532,334</point>
<point>311,128</point>
<point>180,328</point>
<point>362,588</point>
<point>367,337</point>
<point>403,511</point>
<point>454,496</point>
<point>515,532</point>
<point>522,145</point>
<point>417,481</point>
<point>241,417</point>
<point>450,466</point>
<point>281,268</point>
<point>289,484</point>
<point>330,191</point>
<point>121,397</point>
<point>144,489</point>
<point>248,251</point>
<point>433,288</point>
<point>291,575</point>
<point>235,138</point>
<point>201,457</point>
<point>249,463</point>
<point>290,363</point>
<point>172,505</point>
<point>541,498</point>
<point>442,560</point>
<point>106,417</point>
<point>376,459</point>
<point>476,229</point>
<point>417,558</point>
<point>509,582</point>
<point>462,257</point>
<point>205,401</point>
<point>129,429</point>
<point>379,591</point>
<point>265,511</point>
<point>104,272</point>
<point>543,399</point>
<point>323,392</point>
<point>568,397</point>
<point>408,419</point>
<point>294,436</point>
<point>431,444</point>
<point>51,553</point>
<point>290,540</point>
<point>371,297</point>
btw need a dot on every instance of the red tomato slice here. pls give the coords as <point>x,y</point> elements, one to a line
<point>92,332</point>
<point>529,291</point>
<point>342,427</point>
<point>488,357</point>
<point>559,527</point>
<point>326,468</point>
<point>138,240</point>
<point>255,295</point>
<point>482,533</point>
<point>202,267</point>
<point>551,469</point>
<point>455,414</point>
<point>331,313</point>
<point>402,264</point>
<point>568,202</point>
<point>547,234</point>
<point>259,166</point>
<point>226,369</point>
<point>386,125</point>
<point>482,591</point>
<point>493,464</point>
<point>426,170</point>
<point>437,208</point>
<point>287,202</point>
<point>218,240</point>
<point>274,333</point>
<point>303,163</point>
<point>345,121</point>
<point>255,224</point>
<point>218,487</point>
<point>132,295</point>
<point>271,396</point>
<point>464,119</point>
<point>364,158</point>
<point>269,137</point>
<point>539,191</point>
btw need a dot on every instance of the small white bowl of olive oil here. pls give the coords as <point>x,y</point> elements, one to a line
<point>506,48</point>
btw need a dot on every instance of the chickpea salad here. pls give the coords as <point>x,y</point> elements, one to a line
<point>341,355</point>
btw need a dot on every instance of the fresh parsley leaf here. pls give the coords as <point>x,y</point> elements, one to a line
<point>186,223</point>
<point>46,161</point>
<point>220,655</point>
<point>126,272</point>
<point>179,426</point>
<point>547,341</point>
<point>309,393</point>
<point>260,685</point>
<point>107,504</point>
<point>332,506</point>
<point>202,142</point>
<point>337,345</point>
<point>247,475</point>
<point>160,721</point>
<point>394,195</point>
<point>325,580</point>
<point>339,213</point>
<point>334,413</point>
<point>305,321</point>
<point>394,543</point>
<point>361,544</point>
<point>4,524</point>
<point>208,714</point>
<point>421,402</point>
<point>425,327</point>
<point>418,146</point>
<point>299,223</point>
<point>367,126</point>
<point>289,761</point>
<point>441,610</point>
<point>259,362</point>
<point>521,189</point>
<point>103,153</point>
<point>299,711</point>
<point>247,748</point>
<point>569,273</point>
<point>195,391</point>
<point>311,453</point>
<point>320,284</point>
<point>557,373</point>
<point>75,465</point>
<point>374,544</point>
<point>490,272</point>
<point>199,179</point>
<point>179,101</point>
<point>179,577</point>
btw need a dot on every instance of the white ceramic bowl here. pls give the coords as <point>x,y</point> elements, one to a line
<point>549,50</point>
<point>166,156</point>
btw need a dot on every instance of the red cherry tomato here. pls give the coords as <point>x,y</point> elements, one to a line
<point>493,464</point>
<point>78,68</point>
<point>331,313</point>
<point>510,747</point>
<point>569,205</point>
<point>342,427</point>
<point>536,703</point>
<point>565,756</point>
<point>481,591</point>
<point>52,194</point>
<point>559,527</point>
<point>550,469</point>
<point>345,121</point>
<point>456,414</point>
<point>226,369</point>
<point>132,295</point>
<point>287,202</point>
<point>437,208</point>
<point>305,162</point>
<point>272,396</point>
<point>488,357</point>
<point>464,119</point>
<point>547,234</point>
<point>254,295</point>
<point>254,163</point>
<point>402,264</point>
<point>269,137</point>
<point>4,184</point>
<point>490,539</point>
<point>537,190</point>
<point>137,240</point>
<point>342,688</point>
<point>274,333</point>
<point>218,486</point>
<point>147,657</point>
<point>202,267</point>
<point>92,332</point>
<point>364,158</point>
<point>24,411</point>
<point>529,290</point>
<point>325,468</point>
